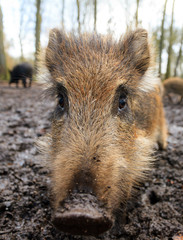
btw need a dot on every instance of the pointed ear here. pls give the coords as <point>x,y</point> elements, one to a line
<point>136,50</point>
<point>54,50</point>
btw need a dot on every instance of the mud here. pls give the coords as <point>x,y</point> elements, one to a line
<point>156,212</point>
<point>81,214</point>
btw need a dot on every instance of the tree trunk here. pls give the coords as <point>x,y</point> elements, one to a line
<point>20,32</point>
<point>136,15</point>
<point>3,67</point>
<point>179,56</point>
<point>168,69</point>
<point>95,15</point>
<point>87,3</point>
<point>37,34</point>
<point>78,18</point>
<point>63,8</point>
<point>162,38</point>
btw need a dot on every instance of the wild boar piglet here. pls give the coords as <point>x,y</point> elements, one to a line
<point>173,85</point>
<point>107,120</point>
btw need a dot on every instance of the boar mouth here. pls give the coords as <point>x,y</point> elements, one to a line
<point>81,214</point>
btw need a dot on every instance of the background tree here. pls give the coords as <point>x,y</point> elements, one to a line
<point>137,14</point>
<point>85,11</point>
<point>37,33</point>
<point>162,37</point>
<point>128,21</point>
<point>78,16</point>
<point>179,55</point>
<point>3,68</point>
<point>168,69</point>
<point>62,14</point>
<point>95,15</point>
<point>22,10</point>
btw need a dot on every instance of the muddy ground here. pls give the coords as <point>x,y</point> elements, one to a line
<point>156,212</point>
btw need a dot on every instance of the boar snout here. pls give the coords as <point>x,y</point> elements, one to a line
<point>82,214</point>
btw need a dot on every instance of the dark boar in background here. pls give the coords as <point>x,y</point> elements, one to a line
<point>21,72</point>
<point>107,120</point>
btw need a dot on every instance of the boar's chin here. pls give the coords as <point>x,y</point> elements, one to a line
<point>82,214</point>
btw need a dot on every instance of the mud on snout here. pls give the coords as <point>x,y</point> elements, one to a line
<point>82,214</point>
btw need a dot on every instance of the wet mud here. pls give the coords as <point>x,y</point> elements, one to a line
<point>156,212</point>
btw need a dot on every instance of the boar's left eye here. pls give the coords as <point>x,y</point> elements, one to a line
<point>61,102</point>
<point>122,102</point>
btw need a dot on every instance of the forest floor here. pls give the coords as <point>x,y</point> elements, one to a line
<point>25,209</point>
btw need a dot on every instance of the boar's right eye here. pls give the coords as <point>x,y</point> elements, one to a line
<point>122,102</point>
<point>61,102</point>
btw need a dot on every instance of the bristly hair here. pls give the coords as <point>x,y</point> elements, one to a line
<point>91,134</point>
<point>132,52</point>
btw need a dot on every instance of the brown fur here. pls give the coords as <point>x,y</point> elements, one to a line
<point>173,85</point>
<point>92,143</point>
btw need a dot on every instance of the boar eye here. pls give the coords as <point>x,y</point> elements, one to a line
<point>122,102</point>
<point>61,101</point>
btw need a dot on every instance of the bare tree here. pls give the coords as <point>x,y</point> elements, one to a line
<point>136,14</point>
<point>179,55</point>
<point>63,8</point>
<point>126,10</point>
<point>3,68</point>
<point>95,15</point>
<point>78,17</point>
<point>162,37</point>
<point>20,31</point>
<point>37,33</point>
<point>85,12</point>
<point>168,69</point>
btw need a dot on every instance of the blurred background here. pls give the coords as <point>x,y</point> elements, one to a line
<point>25,25</point>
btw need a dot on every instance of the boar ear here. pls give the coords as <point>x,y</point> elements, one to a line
<point>54,50</point>
<point>136,51</point>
